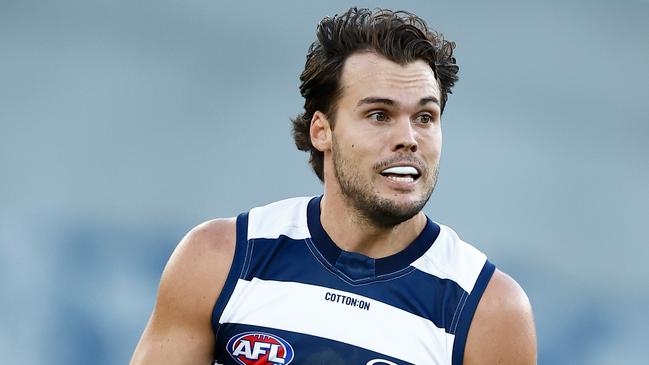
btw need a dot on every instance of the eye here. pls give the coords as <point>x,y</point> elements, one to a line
<point>424,118</point>
<point>378,116</point>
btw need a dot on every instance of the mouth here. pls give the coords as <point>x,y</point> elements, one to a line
<point>402,173</point>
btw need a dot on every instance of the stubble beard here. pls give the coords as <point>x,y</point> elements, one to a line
<point>370,206</point>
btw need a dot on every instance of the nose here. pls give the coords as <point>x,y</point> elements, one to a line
<point>404,136</point>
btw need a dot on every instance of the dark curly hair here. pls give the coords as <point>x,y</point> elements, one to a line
<point>400,36</point>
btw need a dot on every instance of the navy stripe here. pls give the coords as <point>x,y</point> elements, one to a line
<point>414,291</point>
<point>464,323</point>
<point>307,349</point>
<point>240,251</point>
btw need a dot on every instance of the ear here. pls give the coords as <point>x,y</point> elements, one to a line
<point>320,132</point>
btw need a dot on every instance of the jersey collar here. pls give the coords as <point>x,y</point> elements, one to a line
<point>357,266</point>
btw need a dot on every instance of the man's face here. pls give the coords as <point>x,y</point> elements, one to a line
<point>387,138</point>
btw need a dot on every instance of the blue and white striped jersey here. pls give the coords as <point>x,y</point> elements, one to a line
<point>293,296</point>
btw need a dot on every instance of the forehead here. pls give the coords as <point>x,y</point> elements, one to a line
<point>369,74</point>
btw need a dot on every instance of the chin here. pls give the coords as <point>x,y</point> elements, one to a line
<point>389,213</point>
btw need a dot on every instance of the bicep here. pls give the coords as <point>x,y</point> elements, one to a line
<point>502,330</point>
<point>173,342</point>
<point>179,330</point>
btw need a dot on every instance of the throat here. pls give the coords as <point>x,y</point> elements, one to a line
<point>371,250</point>
<point>354,233</point>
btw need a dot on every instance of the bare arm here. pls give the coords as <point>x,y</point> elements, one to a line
<point>179,330</point>
<point>502,331</point>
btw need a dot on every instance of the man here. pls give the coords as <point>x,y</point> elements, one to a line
<point>358,275</point>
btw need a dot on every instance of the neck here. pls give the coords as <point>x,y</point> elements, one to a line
<point>353,232</point>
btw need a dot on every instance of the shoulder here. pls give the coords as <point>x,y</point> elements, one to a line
<point>205,247</point>
<point>179,329</point>
<point>213,238</point>
<point>502,330</point>
<point>198,267</point>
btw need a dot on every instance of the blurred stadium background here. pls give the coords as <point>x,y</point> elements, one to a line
<point>125,123</point>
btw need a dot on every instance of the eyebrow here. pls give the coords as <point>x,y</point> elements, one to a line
<point>386,101</point>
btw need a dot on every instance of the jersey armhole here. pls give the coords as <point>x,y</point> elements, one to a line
<point>235,272</point>
<point>466,316</point>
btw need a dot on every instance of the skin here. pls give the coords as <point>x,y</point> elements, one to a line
<point>179,330</point>
<point>402,126</point>
<point>386,115</point>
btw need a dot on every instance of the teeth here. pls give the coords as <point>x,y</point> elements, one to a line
<point>401,178</point>
<point>401,170</point>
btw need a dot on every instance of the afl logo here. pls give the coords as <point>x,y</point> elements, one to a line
<point>258,348</point>
<point>380,362</point>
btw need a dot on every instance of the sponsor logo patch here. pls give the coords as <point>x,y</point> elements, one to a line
<point>259,348</point>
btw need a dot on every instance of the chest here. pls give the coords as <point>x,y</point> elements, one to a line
<point>290,304</point>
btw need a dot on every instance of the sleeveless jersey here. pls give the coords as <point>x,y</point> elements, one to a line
<point>293,297</point>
